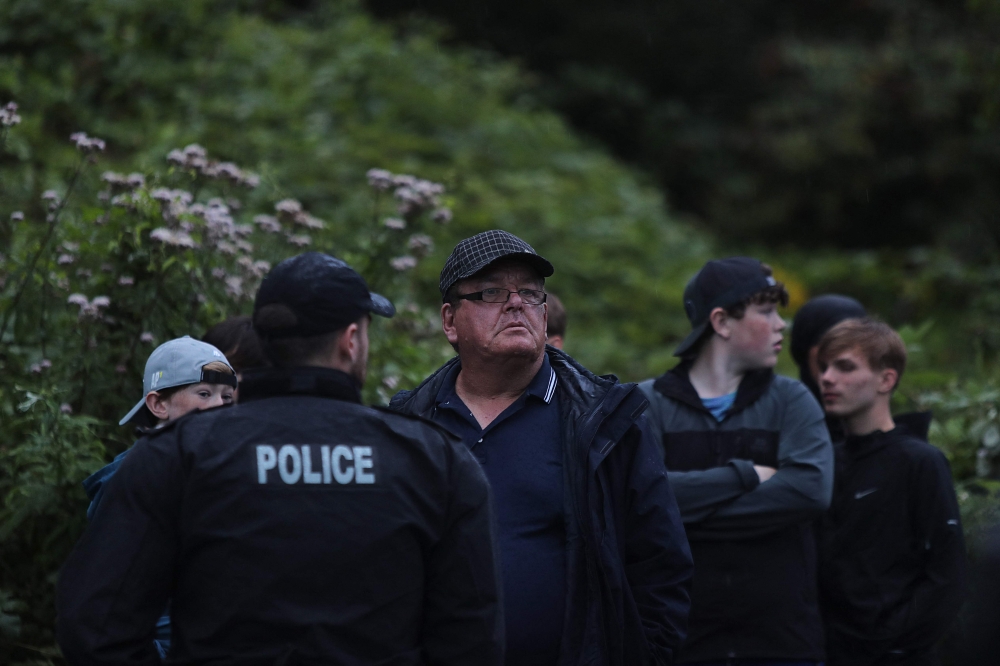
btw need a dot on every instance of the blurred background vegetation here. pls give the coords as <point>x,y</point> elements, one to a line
<point>853,146</point>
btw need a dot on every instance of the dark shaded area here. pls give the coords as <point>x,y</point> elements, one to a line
<point>859,124</point>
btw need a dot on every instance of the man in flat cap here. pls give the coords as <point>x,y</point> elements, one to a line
<point>595,564</point>
<point>298,527</point>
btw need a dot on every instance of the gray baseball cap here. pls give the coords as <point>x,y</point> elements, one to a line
<point>177,363</point>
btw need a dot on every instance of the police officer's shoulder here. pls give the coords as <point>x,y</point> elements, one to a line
<point>199,420</point>
<point>411,425</point>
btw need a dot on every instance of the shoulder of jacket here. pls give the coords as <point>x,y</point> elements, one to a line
<point>920,451</point>
<point>432,383</point>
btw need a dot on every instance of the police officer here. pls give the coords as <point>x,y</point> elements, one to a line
<point>298,527</point>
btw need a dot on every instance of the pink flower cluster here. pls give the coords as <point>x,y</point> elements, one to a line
<point>86,144</point>
<point>195,157</point>
<point>414,196</point>
<point>89,308</point>
<point>8,115</point>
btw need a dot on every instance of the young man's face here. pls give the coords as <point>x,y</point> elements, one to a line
<point>848,384</point>
<point>756,338</point>
<point>196,397</point>
<point>498,330</point>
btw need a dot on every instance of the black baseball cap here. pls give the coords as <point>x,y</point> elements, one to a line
<point>476,253</point>
<point>720,283</point>
<point>312,294</point>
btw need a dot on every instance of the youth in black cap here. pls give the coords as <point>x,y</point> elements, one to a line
<point>721,283</point>
<point>474,254</point>
<point>312,294</point>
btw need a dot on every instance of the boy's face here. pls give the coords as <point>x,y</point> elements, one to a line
<point>193,397</point>
<point>756,338</point>
<point>849,385</point>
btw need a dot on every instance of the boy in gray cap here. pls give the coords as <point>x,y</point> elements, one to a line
<point>181,376</point>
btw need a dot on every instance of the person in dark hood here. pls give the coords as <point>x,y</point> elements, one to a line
<point>813,319</point>
<point>595,564</point>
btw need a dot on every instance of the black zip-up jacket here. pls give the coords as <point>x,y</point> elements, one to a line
<point>297,527</point>
<point>892,555</point>
<point>629,567</point>
<point>754,544</point>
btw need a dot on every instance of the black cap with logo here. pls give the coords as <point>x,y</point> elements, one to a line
<point>720,283</point>
<point>476,253</point>
<point>312,294</point>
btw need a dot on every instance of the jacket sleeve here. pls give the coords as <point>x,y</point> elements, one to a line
<point>938,594</point>
<point>463,616</point>
<point>800,490</point>
<point>657,557</point>
<point>116,582</point>
<point>699,493</point>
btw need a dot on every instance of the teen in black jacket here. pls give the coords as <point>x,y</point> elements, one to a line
<point>892,557</point>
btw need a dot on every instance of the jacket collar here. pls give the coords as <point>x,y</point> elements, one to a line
<point>917,424</point>
<point>676,384</point>
<point>585,397</point>
<point>542,386</point>
<point>309,380</point>
<point>859,446</point>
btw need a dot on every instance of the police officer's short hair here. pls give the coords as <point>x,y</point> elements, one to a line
<point>295,350</point>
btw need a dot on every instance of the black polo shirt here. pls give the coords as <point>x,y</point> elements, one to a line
<point>521,454</point>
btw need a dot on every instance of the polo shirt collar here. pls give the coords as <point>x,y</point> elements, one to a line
<point>543,386</point>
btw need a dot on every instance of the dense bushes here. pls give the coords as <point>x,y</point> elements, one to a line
<point>109,249</point>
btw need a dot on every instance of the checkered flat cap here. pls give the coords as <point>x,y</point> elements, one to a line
<point>476,253</point>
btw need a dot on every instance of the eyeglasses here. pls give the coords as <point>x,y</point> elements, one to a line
<point>494,295</point>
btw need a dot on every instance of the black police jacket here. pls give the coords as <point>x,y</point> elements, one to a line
<point>892,555</point>
<point>629,566</point>
<point>297,527</point>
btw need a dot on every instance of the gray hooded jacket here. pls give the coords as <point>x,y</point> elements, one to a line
<point>753,543</point>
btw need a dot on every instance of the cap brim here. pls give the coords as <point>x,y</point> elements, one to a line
<point>537,261</point>
<point>133,412</point>
<point>382,306</point>
<point>691,339</point>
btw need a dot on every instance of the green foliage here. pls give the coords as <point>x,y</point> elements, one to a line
<point>852,125</point>
<point>99,267</point>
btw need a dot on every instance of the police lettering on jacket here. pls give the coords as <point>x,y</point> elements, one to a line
<point>291,464</point>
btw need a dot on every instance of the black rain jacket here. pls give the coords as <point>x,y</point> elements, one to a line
<point>629,567</point>
<point>892,554</point>
<point>297,527</point>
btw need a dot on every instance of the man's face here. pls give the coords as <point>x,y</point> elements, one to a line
<point>498,330</point>
<point>848,384</point>
<point>756,338</point>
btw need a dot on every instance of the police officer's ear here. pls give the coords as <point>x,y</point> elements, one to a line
<point>352,344</point>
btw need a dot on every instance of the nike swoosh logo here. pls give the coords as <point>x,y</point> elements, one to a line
<point>864,493</point>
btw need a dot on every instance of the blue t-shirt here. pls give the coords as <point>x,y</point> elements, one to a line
<point>719,406</point>
<point>521,455</point>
